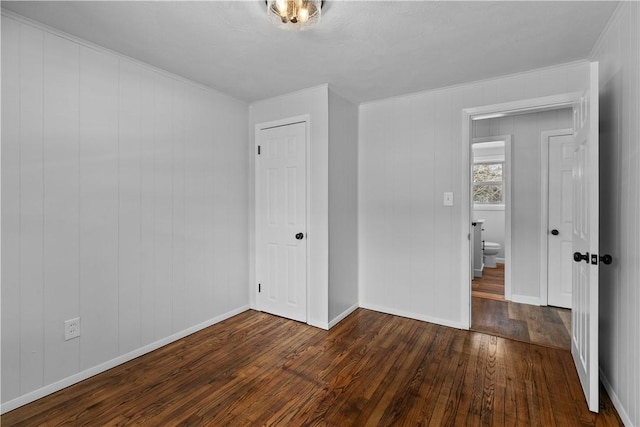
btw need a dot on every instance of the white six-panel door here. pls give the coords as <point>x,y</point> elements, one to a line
<point>560,220</point>
<point>281,232</point>
<point>584,314</point>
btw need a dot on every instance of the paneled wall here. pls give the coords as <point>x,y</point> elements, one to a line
<point>618,52</point>
<point>525,192</point>
<point>124,203</point>
<point>409,155</point>
<point>343,207</point>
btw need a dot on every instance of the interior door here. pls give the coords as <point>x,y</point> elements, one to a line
<point>560,220</point>
<point>584,314</point>
<point>281,248</point>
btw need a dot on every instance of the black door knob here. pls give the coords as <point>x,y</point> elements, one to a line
<point>299,236</point>
<point>555,232</point>
<point>577,257</point>
<point>606,259</point>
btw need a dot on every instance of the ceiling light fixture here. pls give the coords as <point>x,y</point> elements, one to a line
<point>294,14</point>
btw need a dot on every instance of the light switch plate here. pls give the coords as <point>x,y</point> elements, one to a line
<point>448,198</point>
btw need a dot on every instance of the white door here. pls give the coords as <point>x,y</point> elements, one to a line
<point>584,314</point>
<point>560,221</point>
<point>281,243</point>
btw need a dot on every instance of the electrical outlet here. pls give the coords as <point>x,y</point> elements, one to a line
<point>71,328</point>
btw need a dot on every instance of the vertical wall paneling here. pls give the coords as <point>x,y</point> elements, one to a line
<point>61,204</point>
<point>147,213</point>
<point>98,207</point>
<point>129,225</point>
<point>31,208</point>
<point>178,226</point>
<point>194,209</point>
<point>443,181</point>
<point>162,206</point>
<point>10,170</point>
<point>238,210</point>
<point>124,202</point>
<point>343,207</point>
<point>618,53</point>
<point>220,191</point>
<point>208,151</point>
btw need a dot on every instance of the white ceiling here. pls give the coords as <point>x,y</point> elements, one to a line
<point>366,50</point>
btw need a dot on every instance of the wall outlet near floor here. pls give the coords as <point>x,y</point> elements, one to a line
<point>71,328</point>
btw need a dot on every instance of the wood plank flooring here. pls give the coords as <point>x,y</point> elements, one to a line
<point>490,285</point>
<point>372,369</point>
<point>550,326</point>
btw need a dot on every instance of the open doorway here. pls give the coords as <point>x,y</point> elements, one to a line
<point>509,236</point>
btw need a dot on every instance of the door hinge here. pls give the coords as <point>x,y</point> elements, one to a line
<point>258,150</point>
<point>259,288</point>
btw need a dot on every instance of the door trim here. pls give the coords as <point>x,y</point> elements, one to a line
<point>306,118</point>
<point>476,113</point>
<point>544,209</point>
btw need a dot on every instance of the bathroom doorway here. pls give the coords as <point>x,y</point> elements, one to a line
<point>491,215</point>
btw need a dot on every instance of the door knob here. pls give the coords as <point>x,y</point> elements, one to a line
<point>299,236</point>
<point>577,257</point>
<point>606,259</point>
<point>555,232</point>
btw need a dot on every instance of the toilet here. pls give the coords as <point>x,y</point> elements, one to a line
<point>490,251</point>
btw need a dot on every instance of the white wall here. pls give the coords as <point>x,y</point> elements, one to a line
<point>124,202</point>
<point>525,192</point>
<point>315,103</point>
<point>409,154</point>
<point>618,51</point>
<point>343,207</point>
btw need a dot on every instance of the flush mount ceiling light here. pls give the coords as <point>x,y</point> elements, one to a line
<point>294,14</point>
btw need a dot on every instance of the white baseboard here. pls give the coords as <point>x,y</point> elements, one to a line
<point>81,376</point>
<point>342,315</point>
<point>321,325</point>
<point>410,315</point>
<point>615,400</point>
<point>525,299</point>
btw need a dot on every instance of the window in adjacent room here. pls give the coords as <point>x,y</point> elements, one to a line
<point>488,183</point>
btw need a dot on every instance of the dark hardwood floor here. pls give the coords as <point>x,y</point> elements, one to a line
<point>490,285</point>
<point>372,369</point>
<point>550,326</point>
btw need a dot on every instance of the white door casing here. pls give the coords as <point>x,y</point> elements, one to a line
<point>584,314</point>
<point>560,220</point>
<point>281,230</point>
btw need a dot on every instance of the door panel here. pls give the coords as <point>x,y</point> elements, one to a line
<point>281,256</point>
<point>560,245</point>
<point>584,315</point>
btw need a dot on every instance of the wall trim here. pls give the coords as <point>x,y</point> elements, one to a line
<point>626,420</point>
<point>87,373</point>
<point>525,299</point>
<point>490,79</point>
<point>339,318</point>
<point>411,315</point>
<point>612,20</point>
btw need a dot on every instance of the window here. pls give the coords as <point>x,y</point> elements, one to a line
<point>488,184</point>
